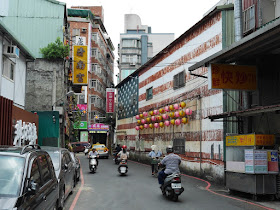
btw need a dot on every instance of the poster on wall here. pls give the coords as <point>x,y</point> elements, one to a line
<point>80,73</point>
<point>84,136</point>
<point>256,161</point>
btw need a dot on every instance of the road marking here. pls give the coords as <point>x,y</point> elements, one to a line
<point>79,192</point>
<point>209,185</point>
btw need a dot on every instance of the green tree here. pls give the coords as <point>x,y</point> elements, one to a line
<point>55,50</point>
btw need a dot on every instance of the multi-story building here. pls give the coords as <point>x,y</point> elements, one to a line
<point>138,45</point>
<point>87,28</point>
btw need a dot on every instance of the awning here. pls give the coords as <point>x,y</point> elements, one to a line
<point>265,40</point>
<point>247,112</point>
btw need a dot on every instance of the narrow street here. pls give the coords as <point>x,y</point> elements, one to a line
<point>106,189</point>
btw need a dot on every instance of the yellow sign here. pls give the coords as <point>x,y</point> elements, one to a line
<point>80,73</point>
<point>233,77</point>
<point>250,140</point>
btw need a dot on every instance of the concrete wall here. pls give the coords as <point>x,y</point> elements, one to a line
<point>40,84</point>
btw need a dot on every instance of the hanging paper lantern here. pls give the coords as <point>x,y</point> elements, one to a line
<point>166,108</point>
<point>151,125</point>
<point>159,118</point>
<point>161,124</point>
<point>143,121</point>
<point>141,127</point>
<point>145,114</point>
<point>167,123</point>
<point>165,116</point>
<point>188,112</point>
<point>182,104</point>
<point>151,113</point>
<point>137,128</point>
<point>137,117</point>
<point>153,118</point>
<point>185,120</point>
<point>172,121</point>
<point>161,110</point>
<point>156,112</point>
<point>146,125</point>
<point>156,125</point>
<point>177,114</point>
<point>139,121</point>
<point>182,113</point>
<point>178,122</point>
<point>171,107</point>
<point>171,114</point>
<point>148,119</point>
<point>141,115</point>
<point>176,106</point>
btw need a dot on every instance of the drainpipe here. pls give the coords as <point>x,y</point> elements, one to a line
<point>238,20</point>
<point>199,114</point>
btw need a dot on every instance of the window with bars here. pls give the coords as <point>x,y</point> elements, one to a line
<point>249,19</point>
<point>94,52</point>
<point>76,32</point>
<point>179,146</point>
<point>179,80</point>
<point>149,93</point>
<point>92,83</point>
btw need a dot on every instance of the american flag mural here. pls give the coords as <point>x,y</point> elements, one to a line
<point>201,139</point>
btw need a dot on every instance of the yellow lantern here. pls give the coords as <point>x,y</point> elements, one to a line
<point>148,119</point>
<point>159,118</point>
<point>171,114</point>
<point>161,110</point>
<point>141,127</point>
<point>171,107</point>
<point>182,104</point>
<point>161,124</point>
<point>151,113</point>
<point>172,122</point>
<point>141,115</point>
<point>139,121</point>
<point>151,125</point>
<point>185,120</point>
<point>182,113</point>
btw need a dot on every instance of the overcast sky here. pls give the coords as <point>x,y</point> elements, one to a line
<point>164,16</point>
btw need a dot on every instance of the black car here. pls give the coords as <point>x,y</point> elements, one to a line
<point>77,166</point>
<point>27,178</point>
<point>64,169</point>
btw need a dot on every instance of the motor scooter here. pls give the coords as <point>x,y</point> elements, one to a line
<point>92,163</point>
<point>123,168</point>
<point>172,186</point>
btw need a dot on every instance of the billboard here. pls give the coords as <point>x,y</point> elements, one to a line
<point>110,99</point>
<point>232,77</point>
<point>80,73</point>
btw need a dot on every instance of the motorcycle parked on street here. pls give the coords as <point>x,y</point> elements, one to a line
<point>172,186</point>
<point>93,163</point>
<point>123,168</point>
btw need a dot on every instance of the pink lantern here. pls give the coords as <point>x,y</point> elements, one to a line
<point>143,121</point>
<point>176,106</point>
<point>156,125</point>
<point>137,128</point>
<point>188,112</point>
<point>153,118</point>
<point>177,114</point>
<point>178,122</point>
<point>156,112</point>
<point>166,108</point>
<point>167,123</point>
<point>165,116</point>
<point>146,125</point>
<point>145,114</point>
<point>137,117</point>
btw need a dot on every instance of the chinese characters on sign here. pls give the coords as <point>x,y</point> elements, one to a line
<point>232,77</point>
<point>110,98</point>
<point>80,74</point>
<point>250,140</point>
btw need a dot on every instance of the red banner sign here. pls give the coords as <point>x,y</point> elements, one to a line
<point>110,99</point>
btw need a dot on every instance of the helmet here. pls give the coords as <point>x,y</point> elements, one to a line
<point>124,147</point>
<point>169,149</point>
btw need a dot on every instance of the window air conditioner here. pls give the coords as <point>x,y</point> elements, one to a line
<point>84,30</point>
<point>132,64</point>
<point>11,51</point>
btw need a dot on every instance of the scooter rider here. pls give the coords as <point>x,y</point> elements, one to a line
<point>171,162</point>
<point>123,154</point>
<point>94,153</point>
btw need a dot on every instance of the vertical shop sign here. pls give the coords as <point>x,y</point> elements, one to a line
<point>80,73</point>
<point>110,98</point>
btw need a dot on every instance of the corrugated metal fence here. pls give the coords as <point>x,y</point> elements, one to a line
<point>6,108</point>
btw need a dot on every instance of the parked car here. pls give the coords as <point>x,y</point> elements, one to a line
<point>64,168</point>
<point>101,149</point>
<point>27,178</point>
<point>79,146</point>
<point>77,167</point>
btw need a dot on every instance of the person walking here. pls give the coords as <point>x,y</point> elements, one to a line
<point>155,155</point>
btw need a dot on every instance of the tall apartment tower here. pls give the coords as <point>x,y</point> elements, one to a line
<point>87,28</point>
<point>138,44</point>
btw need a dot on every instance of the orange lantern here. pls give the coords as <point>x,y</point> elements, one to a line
<point>141,127</point>
<point>159,118</point>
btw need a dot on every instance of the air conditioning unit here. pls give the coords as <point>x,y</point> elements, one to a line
<point>84,30</point>
<point>11,51</point>
<point>133,64</point>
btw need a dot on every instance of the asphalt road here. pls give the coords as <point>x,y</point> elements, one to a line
<point>138,190</point>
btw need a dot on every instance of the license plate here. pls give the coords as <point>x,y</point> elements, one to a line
<point>176,185</point>
<point>123,169</point>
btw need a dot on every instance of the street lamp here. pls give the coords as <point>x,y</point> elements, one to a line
<point>70,93</point>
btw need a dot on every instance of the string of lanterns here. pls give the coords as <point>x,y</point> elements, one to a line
<point>169,115</point>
